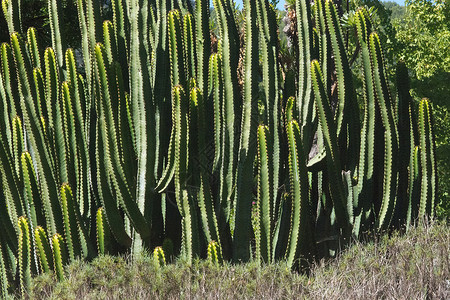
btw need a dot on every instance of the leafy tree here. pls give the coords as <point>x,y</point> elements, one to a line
<point>397,11</point>
<point>424,37</point>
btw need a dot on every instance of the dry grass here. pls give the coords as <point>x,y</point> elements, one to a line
<point>414,266</point>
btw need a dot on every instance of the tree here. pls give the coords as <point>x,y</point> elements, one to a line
<point>397,11</point>
<point>424,37</point>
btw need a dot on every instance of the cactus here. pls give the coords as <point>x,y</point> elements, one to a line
<point>264,200</point>
<point>57,39</point>
<point>12,13</point>
<point>246,150</point>
<point>272,80</point>
<point>33,47</point>
<point>305,103</point>
<point>32,193</point>
<point>213,252</point>
<point>216,94</point>
<point>70,225</point>
<point>3,276</point>
<point>44,250</point>
<point>158,257</point>
<point>364,189</point>
<point>229,51</point>
<point>332,152</point>
<point>24,255</point>
<point>159,112</point>
<point>205,198</point>
<point>203,44</point>
<point>427,160</point>
<point>300,235</point>
<point>100,231</point>
<point>59,256</point>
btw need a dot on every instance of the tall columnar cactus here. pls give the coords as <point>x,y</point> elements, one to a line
<point>347,112</point>
<point>12,13</point>
<point>174,130</point>
<point>32,194</point>
<point>158,257</point>
<point>325,117</point>
<point>24,255</point>
<point>247,148</point>
<point>387,112</point>
<point>101,224</point>
<point>203,43</point>
<point>3,278</point>
<point>44,252</point>
<point>305,103</point>
<point>300,236</point>
<point>406,132</point>
<point>33,47</point>
<point>213,252</point>
<point>269,48</point>
<point>229,50</point>
<point>204,197</point>
<point>265,199</point>
<point>59,255</point>
<point>364,192</point>
<point>427,145</point>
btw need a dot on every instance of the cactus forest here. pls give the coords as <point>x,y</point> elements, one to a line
<point>160,135</point>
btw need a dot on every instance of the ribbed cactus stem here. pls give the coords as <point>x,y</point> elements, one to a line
<point>366,165</point>
<point>58,256</point>
<point>159,257</point>
<point>13,14</point>
<point>229,51</point>
<point>390,133</point>
<point>304,97</point>
<point>427,160</point>
<point>264,198</point>
<point>3,276</point>
<point>44,250</point>
<point>300,233</point>
<point>33,47</point>
<point>32,194</point>
<point>203,43</point>
<point>24,255</point>
<point>213,252</point>
<point>178,74</point>
<point>100,231</point>
<point>70,225</point>
<point>247,150</point>
<point>54,8</point>
<point>333,158</point>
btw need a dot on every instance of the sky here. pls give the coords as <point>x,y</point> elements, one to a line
<point>281,3</point>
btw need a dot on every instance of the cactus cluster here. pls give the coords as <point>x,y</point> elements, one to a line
<point>157,138</point>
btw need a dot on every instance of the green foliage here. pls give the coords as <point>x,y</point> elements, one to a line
<point>397,10</point>
<point>424,37</point>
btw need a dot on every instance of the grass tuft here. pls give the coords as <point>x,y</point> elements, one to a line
<point>410,266</point>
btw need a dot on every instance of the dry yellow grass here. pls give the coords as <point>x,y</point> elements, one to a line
<point>412,266</point>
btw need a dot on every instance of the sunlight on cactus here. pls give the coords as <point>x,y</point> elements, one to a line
<point>158,129</point>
